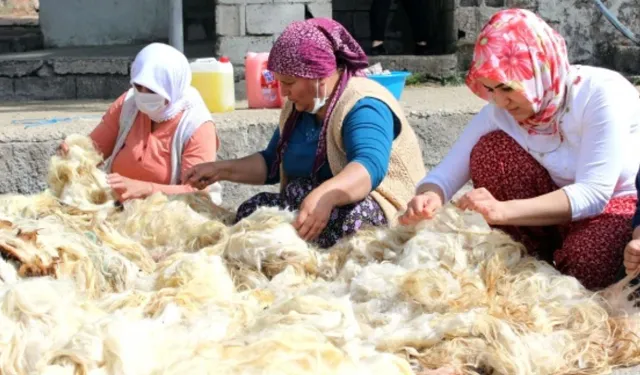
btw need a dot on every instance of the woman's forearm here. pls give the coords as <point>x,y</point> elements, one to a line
<point>351,185</point>
<point>171,189</point>
<point>251,170</point>
<point>549,209</point>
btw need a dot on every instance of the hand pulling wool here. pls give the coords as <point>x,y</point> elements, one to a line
<point>168,284</point>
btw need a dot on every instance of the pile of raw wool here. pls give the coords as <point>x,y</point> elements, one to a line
<point>168,285</point>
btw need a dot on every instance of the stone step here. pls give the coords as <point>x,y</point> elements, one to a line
<point>20,34</point>
<point>73,73</point>
<point>103,72</point>
<point>20,41</point>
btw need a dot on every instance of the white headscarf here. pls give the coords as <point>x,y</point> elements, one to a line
<point>166,71</point>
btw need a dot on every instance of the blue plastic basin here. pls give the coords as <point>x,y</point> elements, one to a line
<point>394,82</point>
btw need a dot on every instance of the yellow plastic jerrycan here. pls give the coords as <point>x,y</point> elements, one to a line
<point>214,80</point>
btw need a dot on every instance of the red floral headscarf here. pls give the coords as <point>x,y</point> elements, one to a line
<point>518,49</point>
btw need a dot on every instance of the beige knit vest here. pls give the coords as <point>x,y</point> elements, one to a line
<point>406,167</point>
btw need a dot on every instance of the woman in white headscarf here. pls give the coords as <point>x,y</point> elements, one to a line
<point>157,130</point>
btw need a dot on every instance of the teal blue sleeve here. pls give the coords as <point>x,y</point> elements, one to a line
<point>269,155</point>
<point>367,134</point>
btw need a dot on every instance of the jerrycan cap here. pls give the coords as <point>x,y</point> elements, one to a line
<point>224,59</point>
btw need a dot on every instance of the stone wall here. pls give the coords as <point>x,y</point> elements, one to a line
<point>590,37</point>
<point>63,78</point>
<point>253,25</point>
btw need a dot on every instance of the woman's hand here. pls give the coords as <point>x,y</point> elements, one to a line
<point>313,215</point>
<point>632,256</point>
<point>422,206</point>
<point>63,149</point>
<point>127,188</point>
<point>204,174</point>
<point>481,201</point>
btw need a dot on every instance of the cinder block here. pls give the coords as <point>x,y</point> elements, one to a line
<point>267,19</point>
<point>230,20</point>
<point>320,9</point>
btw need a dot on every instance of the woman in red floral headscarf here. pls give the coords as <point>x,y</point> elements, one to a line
<point>552,157</point>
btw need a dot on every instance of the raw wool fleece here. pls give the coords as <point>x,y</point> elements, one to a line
<point>166,285</point>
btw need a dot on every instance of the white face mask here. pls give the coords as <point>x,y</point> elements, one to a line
<point>150,104</point>
<point>317,101</point>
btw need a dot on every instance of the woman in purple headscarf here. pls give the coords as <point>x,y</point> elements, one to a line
<point>344,154</point>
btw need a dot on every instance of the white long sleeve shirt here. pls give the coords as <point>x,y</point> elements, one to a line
<point>597,160</point>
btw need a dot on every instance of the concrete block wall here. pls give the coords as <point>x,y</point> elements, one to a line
<point>253,25</point>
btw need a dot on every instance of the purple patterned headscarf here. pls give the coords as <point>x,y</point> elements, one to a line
<point>315,49</point>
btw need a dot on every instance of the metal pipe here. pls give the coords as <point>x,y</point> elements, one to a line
<point>616,23</point>
<point>176,34</point>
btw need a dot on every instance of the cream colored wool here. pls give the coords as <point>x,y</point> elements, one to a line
<point>169,285</point>
<point>74,178</point>
<point>145,221</point>
<point>267,241</point>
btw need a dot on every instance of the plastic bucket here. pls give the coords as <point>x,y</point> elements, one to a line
<point>394,82</point>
